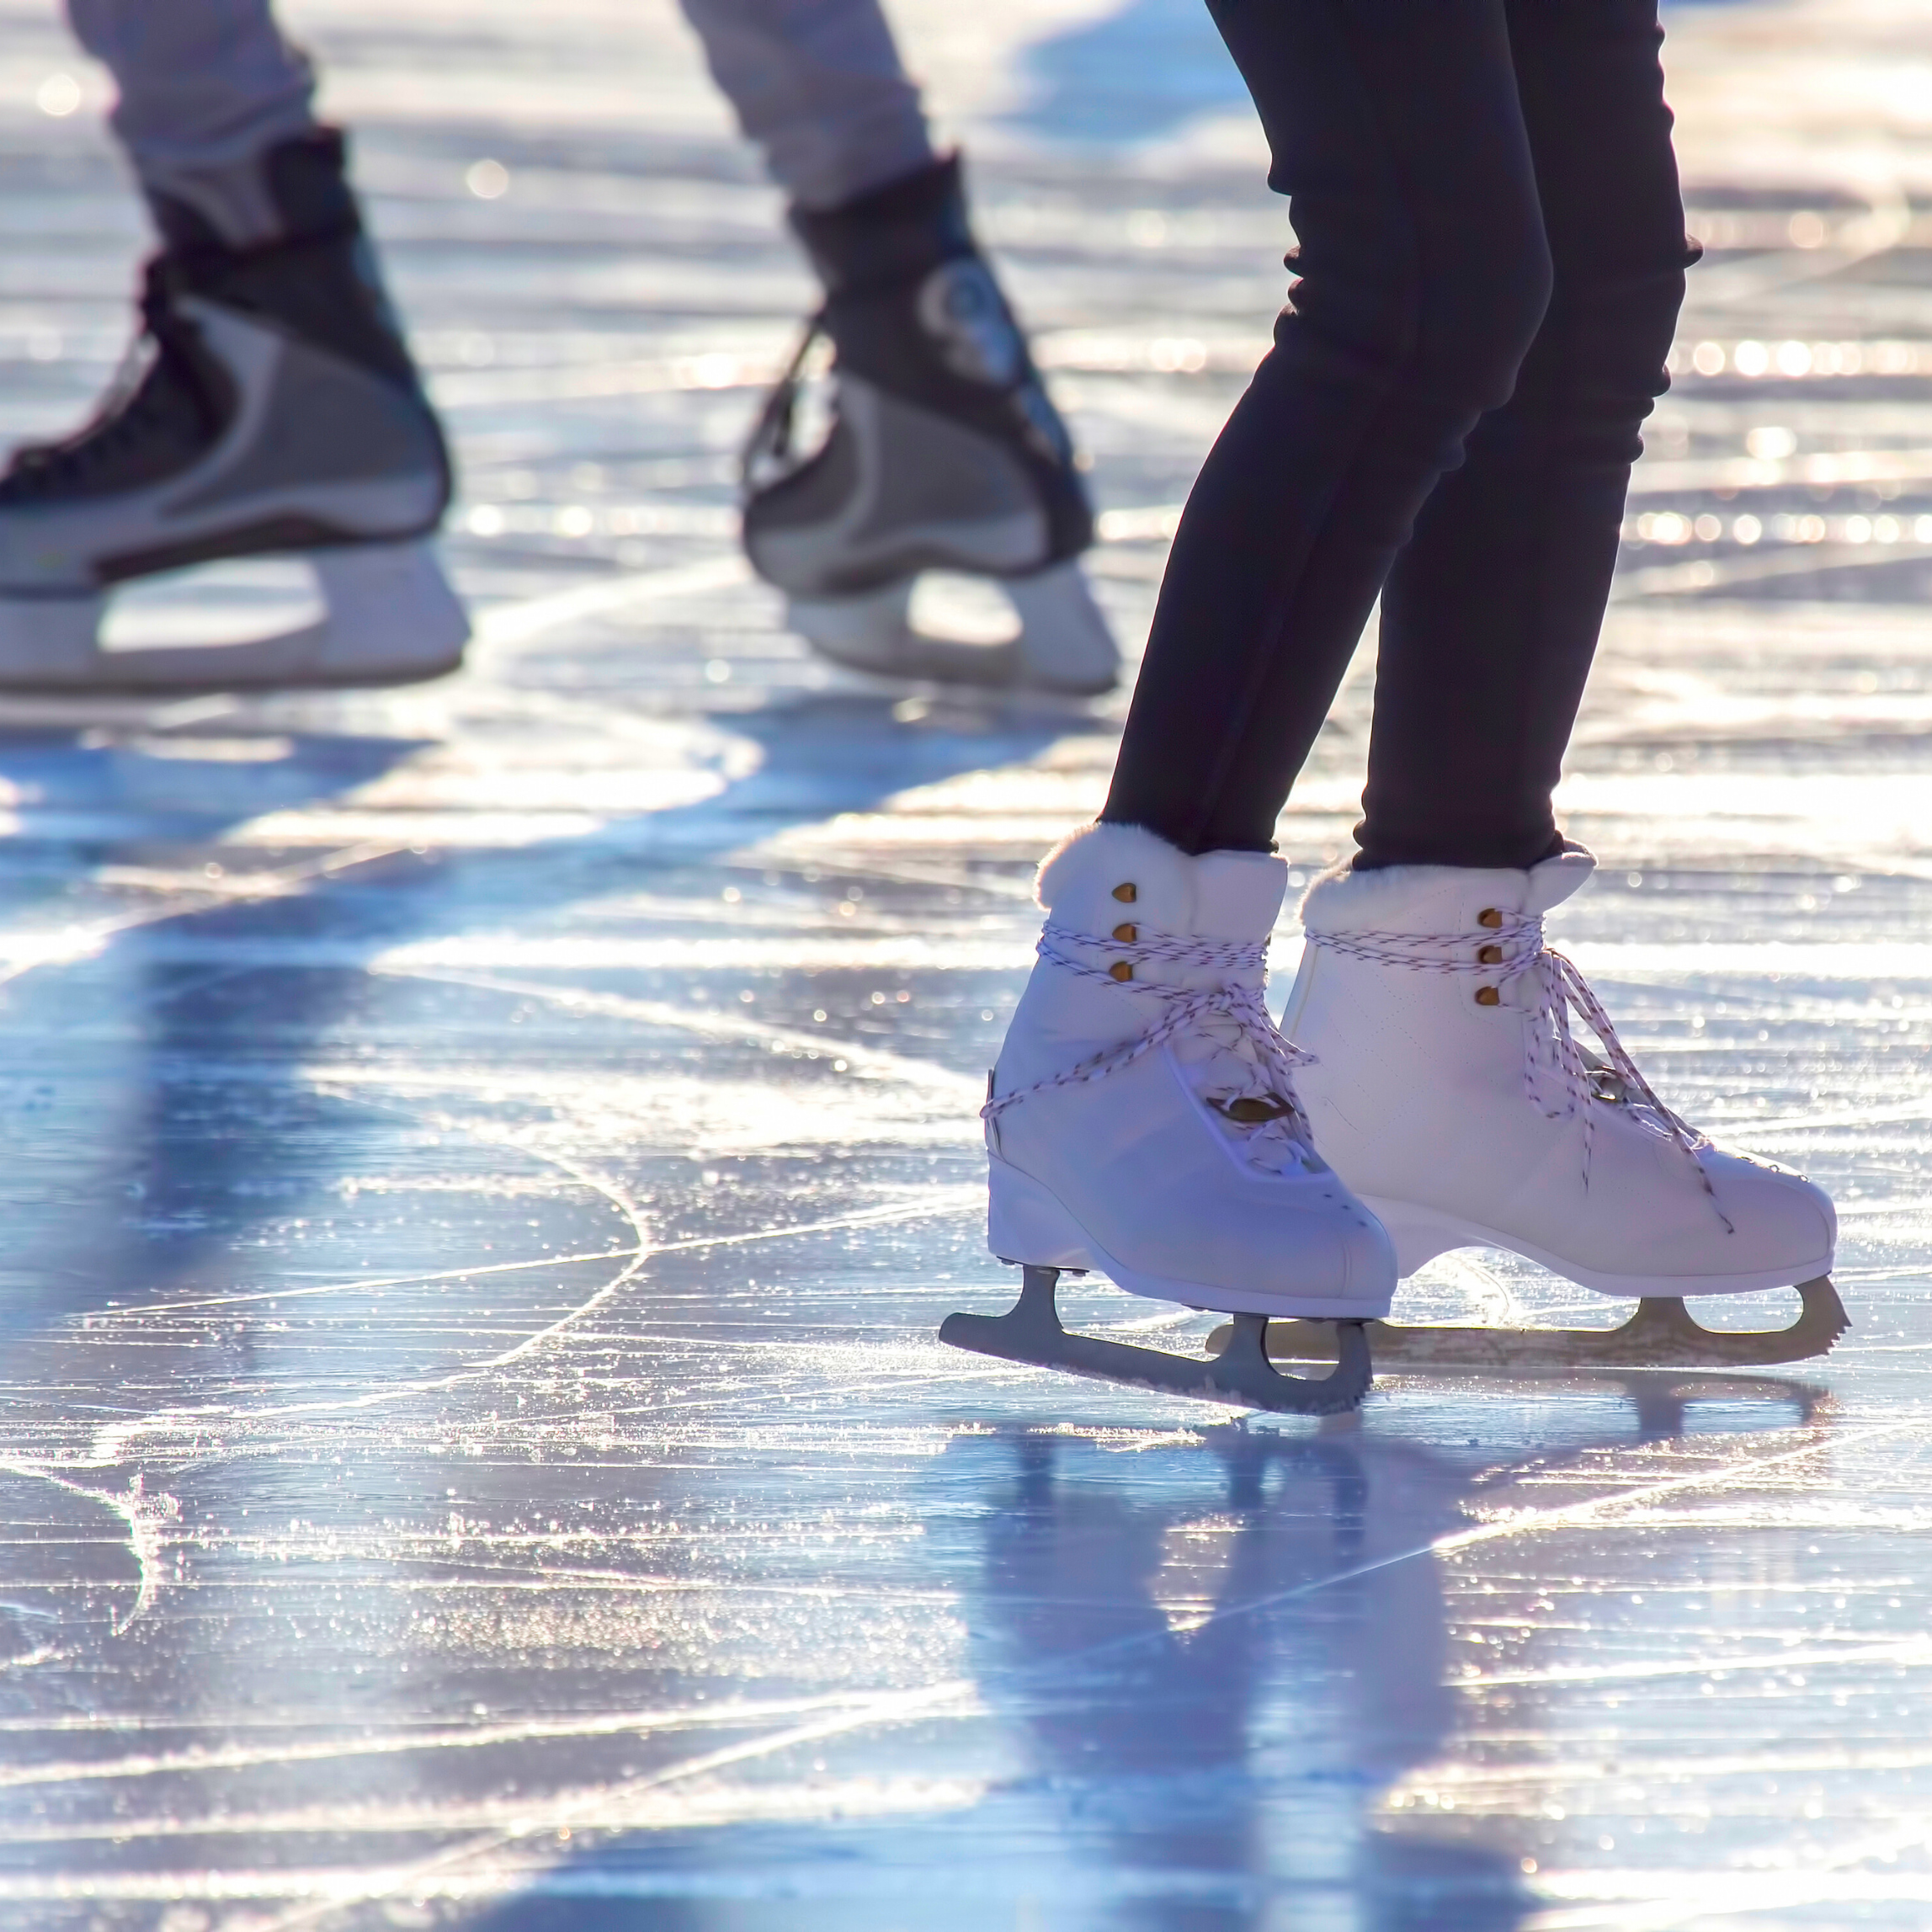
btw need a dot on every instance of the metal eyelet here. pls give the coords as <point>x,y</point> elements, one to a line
<point>1253,1110</point>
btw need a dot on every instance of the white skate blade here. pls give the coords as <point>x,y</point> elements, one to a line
<point>1063,646</point>
<point>1237,1374</point>
<point>1661,1334</point>
<point>390,617</point>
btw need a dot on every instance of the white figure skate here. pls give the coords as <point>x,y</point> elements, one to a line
<point>1450,1090</point>
<point>943,453</point>
<point>1143,1121</point>
<point>270,410</point>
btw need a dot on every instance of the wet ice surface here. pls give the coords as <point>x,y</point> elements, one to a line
<point>484,1164</point>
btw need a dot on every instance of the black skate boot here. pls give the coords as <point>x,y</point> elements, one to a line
<point>270,409</point>
<point>943,453</point>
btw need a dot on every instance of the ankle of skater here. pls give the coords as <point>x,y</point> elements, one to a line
<point>1193,839</point>
<point>1507,851</point>
<point>292,188</point>
<point>1128,921</point>
<point>892,234</point>
<point>278,232</point>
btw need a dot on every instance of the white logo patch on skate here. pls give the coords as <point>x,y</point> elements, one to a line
<point>959,306</point>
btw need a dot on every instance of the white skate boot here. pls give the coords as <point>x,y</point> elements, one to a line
<point>271,410</point>
<point>1448,1089</point>
<point>943,453</point>
<point>1143,1122</point>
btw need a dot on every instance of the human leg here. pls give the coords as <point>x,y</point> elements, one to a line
<point>1490,617</point>
<point>1450,1084</point>
<point>273,407</point>
<point>206,87</point>
<point>1142,1091</point>
<point>946,452</point>
<point>1423,276</point>
<point>819,86</point>
<point>1442,1080</point>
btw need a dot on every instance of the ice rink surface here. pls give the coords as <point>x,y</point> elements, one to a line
<point>483,1165</point>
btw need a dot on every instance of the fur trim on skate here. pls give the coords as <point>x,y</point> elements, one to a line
<point>1344,900</point>
<point>1132,847</point>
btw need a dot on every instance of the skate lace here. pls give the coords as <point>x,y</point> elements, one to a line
<point>1231,1016</point>
<point>125,412</point>
<point>770,453</point>
<point>1560,995</point>
<point>770,449</point>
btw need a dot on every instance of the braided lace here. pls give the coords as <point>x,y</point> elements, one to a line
<point>1558,990</point>
<point>1232,1015</point>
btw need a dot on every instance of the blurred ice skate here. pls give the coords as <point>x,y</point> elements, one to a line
<point>943,454</point>
<point>269,409</point>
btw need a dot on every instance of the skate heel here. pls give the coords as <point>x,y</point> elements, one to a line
<point>1026,1225</point>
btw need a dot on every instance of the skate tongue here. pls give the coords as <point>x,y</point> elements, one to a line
<point>1229,1053</point>
<point>1255,1106</point>
<point>1268,1128</point>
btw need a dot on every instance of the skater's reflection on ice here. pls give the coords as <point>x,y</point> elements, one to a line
<point>1216,1666</point>
<point>1214,1688</point>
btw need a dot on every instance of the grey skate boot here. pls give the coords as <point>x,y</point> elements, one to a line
<point>269,409</point>
<point>943,453</point>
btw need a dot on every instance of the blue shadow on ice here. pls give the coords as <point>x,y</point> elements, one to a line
<point>158,1119</point>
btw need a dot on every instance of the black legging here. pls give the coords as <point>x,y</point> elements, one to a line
<point>1491,259</point>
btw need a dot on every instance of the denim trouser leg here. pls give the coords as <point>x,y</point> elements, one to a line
<point>203,84</point>
<point>1481,190</point>
<point>816,83</point>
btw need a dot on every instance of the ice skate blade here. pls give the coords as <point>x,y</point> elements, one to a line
<point>1064,648</point>
<point>1661,1334</point>
<point>392,620</point>
<point>1237,1373</point>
